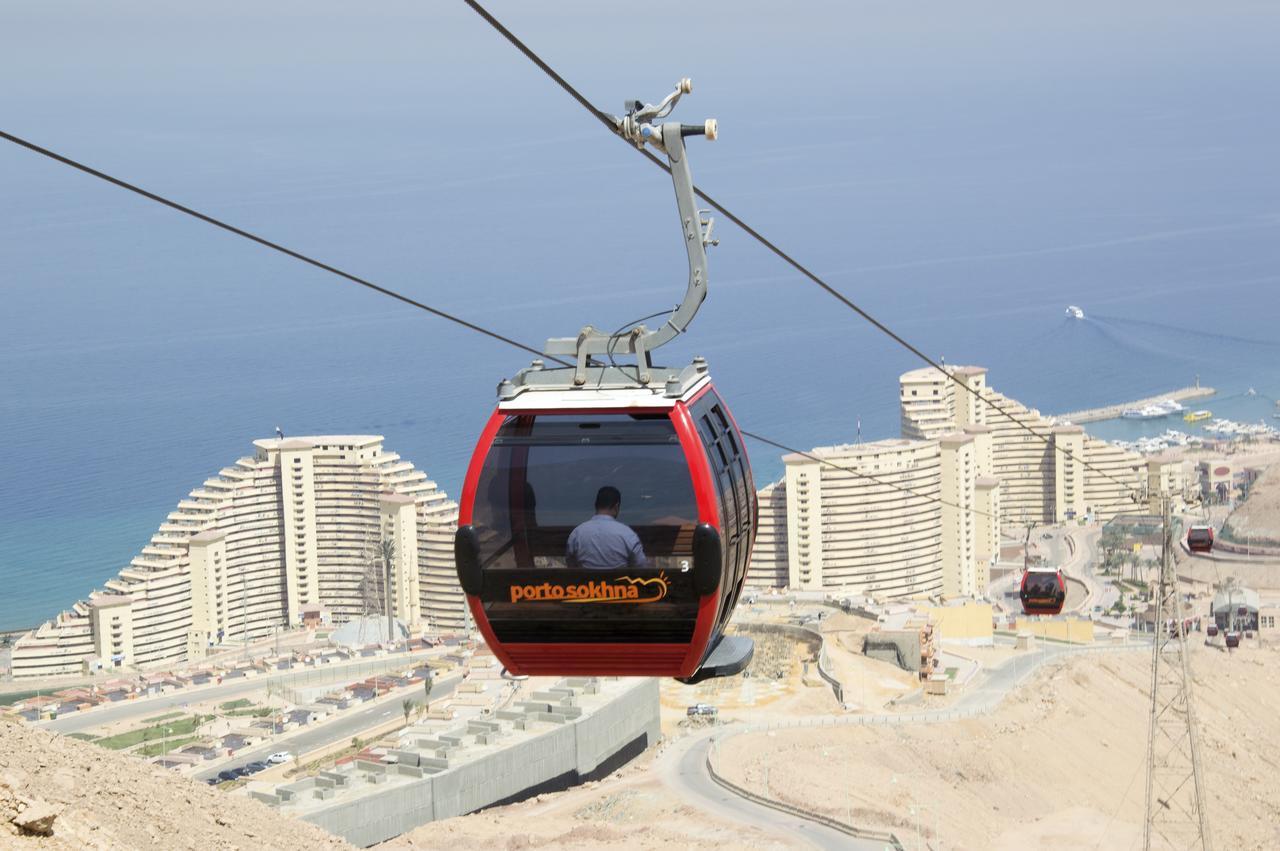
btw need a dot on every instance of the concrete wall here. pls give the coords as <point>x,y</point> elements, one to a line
<point>1064,629</point>
<point>900,647</point>
<point>969,622</point>
<point>568,752</point>
<point>812,639</point>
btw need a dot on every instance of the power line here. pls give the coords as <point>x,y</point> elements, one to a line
<point>607,120</point>
<point>274,246</point>
<point>863,475</point>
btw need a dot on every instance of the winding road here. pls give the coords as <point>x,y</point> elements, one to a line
<point>683,768</point>
<point>684,771</point>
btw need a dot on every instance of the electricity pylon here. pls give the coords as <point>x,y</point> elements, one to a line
<point>1175,815</point>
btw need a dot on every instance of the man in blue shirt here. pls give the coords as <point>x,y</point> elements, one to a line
<point>602,543</point>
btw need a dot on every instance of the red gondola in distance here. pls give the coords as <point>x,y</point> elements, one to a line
<point>1043,591</point>
<point>1200,539</point>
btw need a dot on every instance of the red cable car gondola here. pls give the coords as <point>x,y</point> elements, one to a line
<point>1043,591</point>
<point>1200,539</point>
<point>643,455</point>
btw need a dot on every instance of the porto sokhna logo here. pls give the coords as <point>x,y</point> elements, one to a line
<point>624,589</point>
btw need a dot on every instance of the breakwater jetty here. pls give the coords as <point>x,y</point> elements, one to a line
<point>1110,412</point>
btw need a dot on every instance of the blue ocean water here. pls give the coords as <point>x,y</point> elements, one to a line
<point>963,178</point>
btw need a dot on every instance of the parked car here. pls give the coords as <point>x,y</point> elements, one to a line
<point>279,757</point>
<point>255,767</point>
<point>702,709</point>
<point>224,776</point>
<point>213,781</point>
<point>237,773</point>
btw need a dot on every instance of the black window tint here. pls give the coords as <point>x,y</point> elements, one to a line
<point>542,474</point>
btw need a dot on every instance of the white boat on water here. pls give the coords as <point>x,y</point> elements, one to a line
<point>1146,412</point>
<point>1154,411</point>
<point>1228,428</point>
<point>1074,312</point>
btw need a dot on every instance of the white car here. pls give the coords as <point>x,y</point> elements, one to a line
<point>279,757</point>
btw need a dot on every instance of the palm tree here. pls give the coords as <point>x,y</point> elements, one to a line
<point>407,706</point>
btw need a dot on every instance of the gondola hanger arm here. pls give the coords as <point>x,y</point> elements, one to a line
<point>640,126</point>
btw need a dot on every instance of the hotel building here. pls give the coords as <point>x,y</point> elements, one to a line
<point>864,518</point>
<point>296,526</point>
<point>922,514</point>
<point>1048,472</point>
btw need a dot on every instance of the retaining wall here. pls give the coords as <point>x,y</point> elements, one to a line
<point>556,757</point>
<point>811,637</point>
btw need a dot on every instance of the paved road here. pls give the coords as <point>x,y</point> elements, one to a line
<point>684,770</point>
<point>343,728</point>
<point>229,690</point>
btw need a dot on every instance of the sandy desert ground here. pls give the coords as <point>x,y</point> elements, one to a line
<point>1060,764</point>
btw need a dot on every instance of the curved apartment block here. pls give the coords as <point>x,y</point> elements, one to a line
<point>768,568</point>
<point>1070,476</point>
<point>855,533</point>
<point>294,529</point>
<point>970,459</point>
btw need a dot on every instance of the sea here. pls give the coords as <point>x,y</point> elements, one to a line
<point>962,177</point>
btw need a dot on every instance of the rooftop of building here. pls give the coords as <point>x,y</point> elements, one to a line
<point>311,441</point>
<point>928,374</point>
<point>855,450</point>
<point>1231,598</point>
<point>105,601</point>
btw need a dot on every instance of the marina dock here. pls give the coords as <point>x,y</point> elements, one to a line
<point>1111,412</point>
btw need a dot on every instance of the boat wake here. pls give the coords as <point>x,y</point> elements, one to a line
<point>1178,329</point>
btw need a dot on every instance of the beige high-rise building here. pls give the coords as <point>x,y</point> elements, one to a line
<point>986,494</point>
<point>981,458</point>
<point>927,401</point>
<point>1047,472</point>
<point>1171,476</point>
<point>959,520</point>
<point>1112,479</point>
<point>768,568</point>
<point>1069,492</point>
<point>852,533</point>
<point>297,524</point>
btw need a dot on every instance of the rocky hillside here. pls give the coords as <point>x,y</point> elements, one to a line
<point>60,793</point>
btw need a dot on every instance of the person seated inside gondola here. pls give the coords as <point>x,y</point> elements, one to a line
<point>603,543</point>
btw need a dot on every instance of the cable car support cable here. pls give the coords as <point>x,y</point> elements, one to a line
<point>297,255</point>
<point>613,124</point>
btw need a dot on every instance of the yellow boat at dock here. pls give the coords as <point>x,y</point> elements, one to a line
<point>1197,416</point>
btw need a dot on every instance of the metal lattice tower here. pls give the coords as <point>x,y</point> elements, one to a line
<point>1175,815</point>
